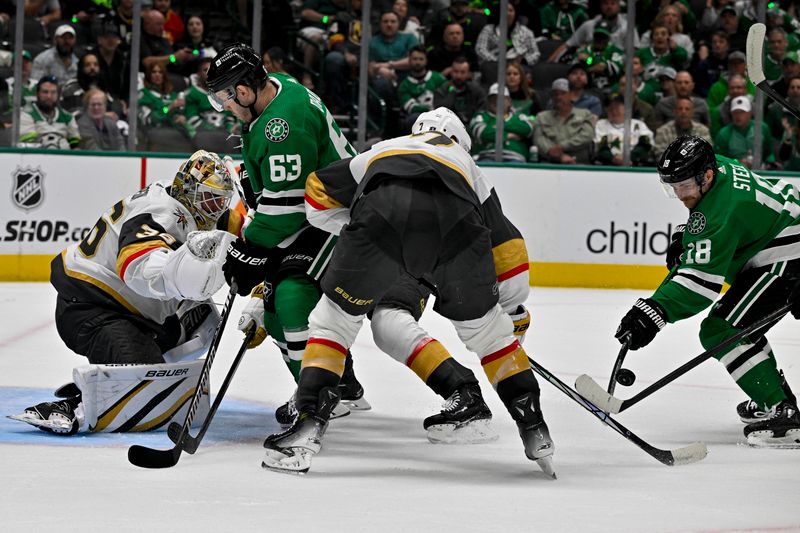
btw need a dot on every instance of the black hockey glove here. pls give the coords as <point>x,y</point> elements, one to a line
<point>794,298</point>
<point>641,323</point>
<point>675,248</point>
<point>245,263</point>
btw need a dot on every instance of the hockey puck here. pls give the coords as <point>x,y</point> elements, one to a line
<point>626,377</point>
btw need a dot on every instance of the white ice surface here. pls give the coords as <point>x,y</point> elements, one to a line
<point>378,473</point>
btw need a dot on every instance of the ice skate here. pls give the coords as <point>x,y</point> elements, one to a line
<point>464,419</point>
<point>287,413</point>
<point>60,418</point>
<point>291,451</point>
<point>780,430</point>
<point>533,430</point>
<point>351,391</point>
<point>749,411</point>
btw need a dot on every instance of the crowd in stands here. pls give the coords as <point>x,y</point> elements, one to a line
<point>565,77</point>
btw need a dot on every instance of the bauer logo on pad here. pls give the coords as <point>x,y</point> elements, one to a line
<point>27,190</point>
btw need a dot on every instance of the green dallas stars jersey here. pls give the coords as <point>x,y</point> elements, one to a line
<point>743,221</point>
<point>294,136</point>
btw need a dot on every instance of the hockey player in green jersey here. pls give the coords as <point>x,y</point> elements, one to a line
<point>287,133</point>
<point>743,229</point>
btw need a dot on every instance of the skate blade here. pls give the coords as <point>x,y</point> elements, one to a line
<point>546,464</point>
<point>765,439</point>
<point>58,426</point>
<point>339,411</point>
<point>360,404</point>
<point>474,432</point>
<point>287,461</point>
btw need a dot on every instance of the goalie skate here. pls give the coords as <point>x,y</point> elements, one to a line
<point>464,419</point>
<point>781,430</point>
<point>60,418</point>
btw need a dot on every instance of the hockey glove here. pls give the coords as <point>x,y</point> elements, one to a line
<point>641,323</point>
<point>253,316</point>
<point>794,298</point>
<point>245,263</point>
<point>522,320</point>
<point>675,248</point>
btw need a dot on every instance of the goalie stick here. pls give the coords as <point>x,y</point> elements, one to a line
<point>190,444</point>
<point>685,455</point>
<point>755,67</point>
<point>145,457</point>
<point>595,393</point>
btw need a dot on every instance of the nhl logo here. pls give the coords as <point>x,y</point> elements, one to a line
<point>27,191</point>
<point>277,130</point>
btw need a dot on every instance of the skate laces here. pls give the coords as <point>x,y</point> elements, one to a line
<point>453,403</point>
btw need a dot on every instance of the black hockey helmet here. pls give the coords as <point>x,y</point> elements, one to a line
<point>686,157</point>
<point>236,64</point>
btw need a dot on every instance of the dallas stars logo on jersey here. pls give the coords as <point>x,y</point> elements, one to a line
<point>277,130</point>
<point>696,223</point>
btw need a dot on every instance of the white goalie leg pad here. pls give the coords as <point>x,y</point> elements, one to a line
<point>396,332</point>
<point>488,334</point>
<point>122,398</point>
<point>199,340</point>
<point>329,321</point>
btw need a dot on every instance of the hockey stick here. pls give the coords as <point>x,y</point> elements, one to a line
<point>595,393</point>
<point>755,68</point>
<point>145,457</point>
<point>612,382</point>
<point>679,456</point>
<point>190,443</point>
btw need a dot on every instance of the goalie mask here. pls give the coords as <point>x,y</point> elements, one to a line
<point>204,186</point>
<point>446,122</point>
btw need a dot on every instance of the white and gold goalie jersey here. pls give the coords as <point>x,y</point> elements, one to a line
<point>332,192</point>
<point>109,266</point>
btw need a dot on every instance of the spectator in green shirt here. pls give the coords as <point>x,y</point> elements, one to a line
<point>736,139</point>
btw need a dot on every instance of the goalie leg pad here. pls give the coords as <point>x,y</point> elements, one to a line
<point>122,398</point>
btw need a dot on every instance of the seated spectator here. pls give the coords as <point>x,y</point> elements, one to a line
<point>458,12</point>
<point>155,48</point>
<point>73,91</point>
<point>645,89</point>
<point>664,110</point>
<point>670,17</point>
<point>523,98</point>
<point>790,69</point>
<point>340,66</point>
<point>721,115</point>
<point>173,24</point>
<point>517,130</point>
<point>641,109</point>
<point>681,125</point>
<point>719,90</point>
<point>46,125</point>
<point>711,63</point>
<point>122,18</point>
<point>662,50</point>
<point>195,40</point>
<point>211,128</point>
<point>777,46</point>
<point>59,61</point>
<point>441,55</point>
<point>777,114</point>
<point>47,11</point>
<point>561,18</point>
<point>113,64</point>
<point>415,92</point>
<point>388,56</point>
<point>164,126</point>
<point>789,149</point>
<point>578,78</point>
<point>461,95</point>
<point>615,21</point>
<point>408,23</point>
<point>274,60</point>
<point>603,60</point>
<point>564,134</point>
<point>521,45</point>
<point>28,83</point>
<point>97,130</point>
<point>314,19</point>
<point>610,132</point>
<point>736,139</point>
<point>666,82</point>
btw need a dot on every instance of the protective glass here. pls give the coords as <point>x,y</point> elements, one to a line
<point>218,99</point>
<point>680,188</point>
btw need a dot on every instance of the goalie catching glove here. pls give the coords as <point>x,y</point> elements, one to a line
<point>641,323</point>
<point>245,263</point>
<point>253,316</point>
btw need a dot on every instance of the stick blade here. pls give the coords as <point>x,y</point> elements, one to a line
<point>694,452</point>
<point>145,457</point>
<point>592,391</point>
<point>755,51</point>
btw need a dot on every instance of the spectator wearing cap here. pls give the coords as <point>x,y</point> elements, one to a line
<point>609,133</point>
<point>789,149</point>
<point>212,128</point>
<point>664,110</point>
<point>777,45</point>
<point>711,62</point>
<point>666,82</point>
<point>602,59</point>
<point>415,92</point>
<point>521,45</point>
<point>790,69</point>
<point>46,125</point>
<point>173,24</point>
<point>728,22</point>
<point>98,131</point>
<point>578,78</point>
<point>442,54</point>
<point>719,90</point>
<point>721,115</point>
<point>458,12</point>
<point>662,50</point>
<point>155,49</point>
<point>736,139</point>
<point>560,19</point>
<point>583,36</point>
<point>681,125</point>
<point>564,134</point>
<point>461,95</point>
<point>28,83</point>
<point>113,64</point>
<point>59,61</point>
<point>517,130</point>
